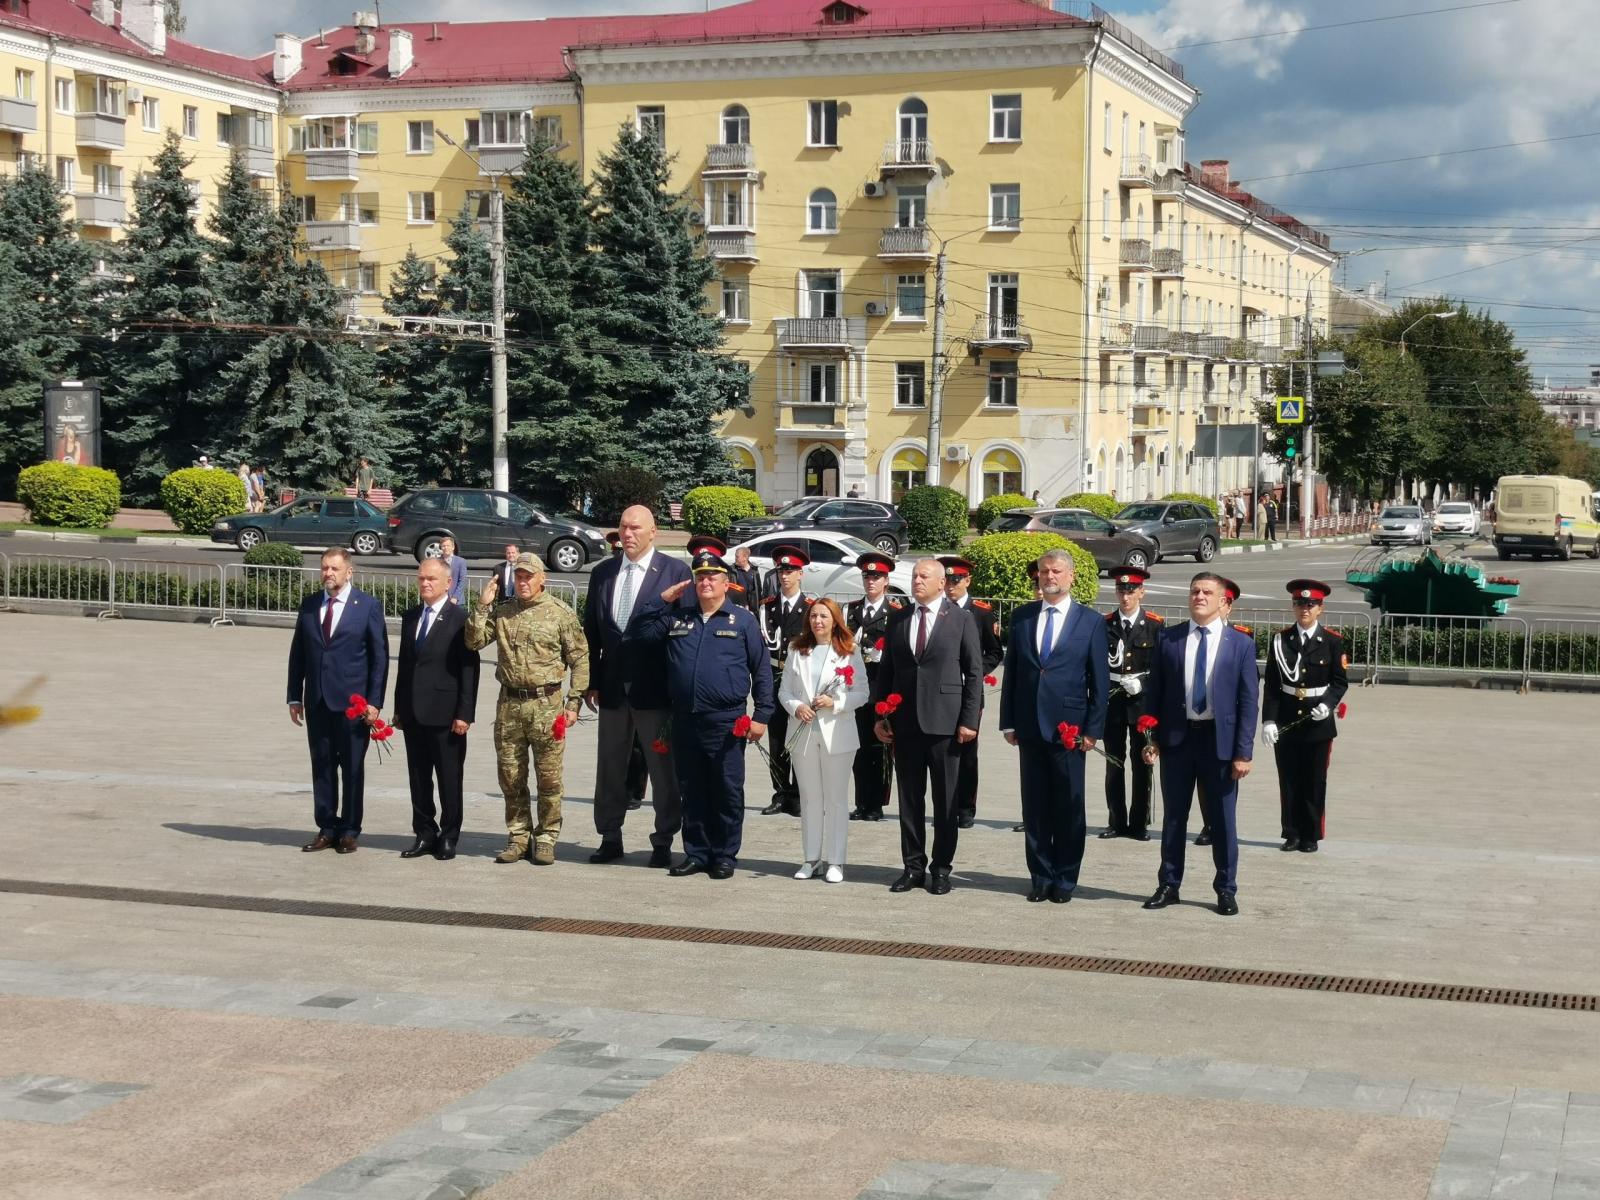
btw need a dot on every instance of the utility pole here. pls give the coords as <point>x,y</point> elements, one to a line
<point>936,391</point>
<point>1305,468</point>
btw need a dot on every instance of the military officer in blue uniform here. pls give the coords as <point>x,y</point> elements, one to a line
<point>1131,634</point>
<point>716,662</point>
<point>1306,679</point>
<point>784,619</point>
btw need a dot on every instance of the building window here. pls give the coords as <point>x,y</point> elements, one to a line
<point>1105,214</point>
<point>913,131</point>
<point>822,383</point>
<point>735,125</point>
<point>332,133</point>
<point>744,466</point>
<point>369,278</point>
<point>1005,206</point>
<point>24,84</point>
<point>730,204</point>
<point>910,205</point>
<point>191,122</point>
<point>499,129</point>
<point>63,95</point>
<point>362,207</point>
<point>107,180</point>
<point>908,469</point>
<point>366,137</point>
<point>910,298</point>
<point>1005,118</point>
<point>419,137</point>
<point>822,125</point>
<point>910,385</point>
<point>1002,474</point>
<point>821,293</point>
<point>822,212</point>
<point>150,114</point>
<point>67,174</point>
<point>1002,385</point>
<point>1105,132</point>
<point>547,129</point>
<point>651,121</point>
<point>419,208</point>
<point>305,208</point>
<point>736,301</point>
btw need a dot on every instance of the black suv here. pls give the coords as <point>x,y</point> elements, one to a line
<point>483,523</point>
<point>880,524</point>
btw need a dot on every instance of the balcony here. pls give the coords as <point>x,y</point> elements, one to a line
<point>1150,338</point>
<point>258,161</point>
<point>19,116</point>
<point>1214,346</point>
<point>1001,332</point>
<point>331,235</point>
<point>732,247</point>
<point>821,335</point>
<point>1116,335</point>
<point>1167,262</point>
<point>1135,254</point>
<point>332,164</point>
<point>501,159</point>
<point>102,131</point>
<point>1181,341</point>
<point>101,210</point>
<point>906,241</point>
<point>1169,185</point>
<point>730,158</point>
<point>1136,171</point>
<point>907,156</point>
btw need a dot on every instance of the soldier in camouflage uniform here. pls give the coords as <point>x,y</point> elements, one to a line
<point>538,639</point>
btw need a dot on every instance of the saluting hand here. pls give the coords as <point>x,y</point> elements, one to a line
<point>671,594</point>
<point>491,590</point>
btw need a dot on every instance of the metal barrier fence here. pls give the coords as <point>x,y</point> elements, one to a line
<point>1562,649</point>
<point>82,582</point>
<point>1430,645</point>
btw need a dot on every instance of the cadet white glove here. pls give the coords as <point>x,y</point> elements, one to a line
<point>1133,686</point>
<point>1269,733</point>
<point>1321,712</point>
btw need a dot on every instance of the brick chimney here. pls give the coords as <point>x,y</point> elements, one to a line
<point>399,53</point>
<point>145,21</point>
<point>1214,173</point>
<point>286,57</point>
<point>366,27</point>
<point>104,11</point>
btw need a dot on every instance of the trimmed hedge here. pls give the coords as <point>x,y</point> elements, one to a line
<point>936,517</point>
<point>710,510</point>
<point>1000,565</point>
<point>1098,503</point>
<point>1209,503</point>
<point>613,489</point>
<point>273,554</point>
<point>983,516</point>
<point>195,497</point>
<point>68,496</point>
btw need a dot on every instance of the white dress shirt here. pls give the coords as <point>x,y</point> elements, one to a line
<point>639,568</point>
<point>1307,634</point>
<point>338,602</point>
<point>436,608</point>
<point>1061,608</point>
<point>1191,646</point>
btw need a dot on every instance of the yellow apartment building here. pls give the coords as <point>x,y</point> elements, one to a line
<point>861,170</point>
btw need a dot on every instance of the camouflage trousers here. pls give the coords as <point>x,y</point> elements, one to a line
<point>521,727</point>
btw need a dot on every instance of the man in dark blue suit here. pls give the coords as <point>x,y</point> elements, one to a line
<point>340,649</point>
<point>1202,690</point>
<point>628,684</point>
<point>1055,674</point>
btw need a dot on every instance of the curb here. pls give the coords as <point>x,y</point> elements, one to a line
<point>101,540</point>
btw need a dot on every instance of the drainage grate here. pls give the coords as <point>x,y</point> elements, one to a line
<point>755,939</point>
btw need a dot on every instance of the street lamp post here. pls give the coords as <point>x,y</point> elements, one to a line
<point>1433,316</point>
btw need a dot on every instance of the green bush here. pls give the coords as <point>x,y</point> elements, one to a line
<point>710,510</point>
<point>194,497</point>
<point>273,554</point>
<point>1098,503</point>
<point>71,497</point>
<point>936,517</point>
<point>615,488</point>
<point>1209,503</point>
<point>984,515</point>
<point>151,585</point>
<point>1000,565</point>
<point>395,594</point>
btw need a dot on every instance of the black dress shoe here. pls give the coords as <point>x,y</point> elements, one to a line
<point>939,882</point>
<point>1060,895</point>
<point>418,848</point>
<point>774,808</point>
<point>908,879</point>
<point>1203,838</point>
<point>1227,905</point>
<point>660,858</point>
<point>721,870</point>
<point>856,814</point>
<point>1164,895</point>
<point>689,866</point>
<point>1308,847</point>
<point>635,802</point>
<point>1037,895</point>
<point>609,852</point>
<point>1289,844</point>
<point>445,850</point>
<point>964,821</point>
<point>1019,829</point>
<point>872,814</point>
<point>1110,831</point>
<point>1139,835</point>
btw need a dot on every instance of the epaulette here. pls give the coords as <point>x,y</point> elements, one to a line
<point>769,599</point>
<point>1287,628</point>
<point>1246,630</point>
<point>736,587</point>
<point>983,604</point>
<point>1111,617</point>
<point>1156,617</point>
<point>1333,633</point>
<point>808,599</point>
<point>895,602</point>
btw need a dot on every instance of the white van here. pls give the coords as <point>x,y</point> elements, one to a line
<point>1542,515</point>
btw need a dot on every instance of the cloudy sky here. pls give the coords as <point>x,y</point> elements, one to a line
<point>1372,126</point>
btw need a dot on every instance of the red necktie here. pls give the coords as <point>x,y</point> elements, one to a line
<point>327,621</point>
<point>922,631</point>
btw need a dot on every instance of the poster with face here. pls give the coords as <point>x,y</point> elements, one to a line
<point>72,424</point>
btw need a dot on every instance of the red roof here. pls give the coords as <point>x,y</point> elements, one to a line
<point>73,22</point>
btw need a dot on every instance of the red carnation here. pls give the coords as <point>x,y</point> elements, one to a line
<point>1147,724</point>
<point>741,727</point>
<point>989,681</point>
<point>660,746</point>
<point>1343,708</point>
<point>878,645</point>
<point>1068,735</point>
<point>358,706</point>
<point>558,730</point>
<point>882,708</point>
<point>848,674</point>
<point>895,700</point>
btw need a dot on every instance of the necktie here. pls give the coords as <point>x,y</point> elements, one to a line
<point>1049,643</point>
<point>625,608</point>
<point>922,631</point>
<point>422,626</point>
<point>327,620</point>
<point>1198,694</point>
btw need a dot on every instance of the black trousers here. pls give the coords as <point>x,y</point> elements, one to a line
<point>432,751</point>
<point>1303,787</point>
<point>338,760</point>
<point>922,759</point>
<point>638,773</point>
<point>967,778</point>
<point>872,767</point>
<point>784,788</point>
<point>1124,741</point>
<point>1052,812</point>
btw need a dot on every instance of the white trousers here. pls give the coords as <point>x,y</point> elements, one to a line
<point>824,782</point>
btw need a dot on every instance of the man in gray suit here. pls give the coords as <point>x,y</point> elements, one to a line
<point>628,684</point>
<point>932,662</point>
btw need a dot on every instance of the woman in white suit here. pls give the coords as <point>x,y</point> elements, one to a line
<point>824,681</point>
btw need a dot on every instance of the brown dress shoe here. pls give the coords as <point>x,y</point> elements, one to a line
<point>321,842</point>
<point>347,845</point>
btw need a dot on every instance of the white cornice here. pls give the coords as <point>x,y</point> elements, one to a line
<point>1139,75</point>
<point>469,97</point>
<point>143,71</point>
<point>1238,215</point>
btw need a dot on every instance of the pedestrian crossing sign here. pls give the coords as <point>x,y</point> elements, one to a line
<point>1291,410</point>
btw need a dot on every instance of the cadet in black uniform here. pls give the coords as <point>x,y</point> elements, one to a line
<point>868,619</point>
<point>1131,633</point>
<point>1305,681</point>
<point>783,620</point>
<point>957,580</point>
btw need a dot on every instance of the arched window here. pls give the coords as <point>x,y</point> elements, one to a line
<point>1002,473</point>
<point>908,469</point>
<point>913,131</point>
<point>744,463</point>
<point>822,212</point>
<point>735,125</point>
<point>822,472</point>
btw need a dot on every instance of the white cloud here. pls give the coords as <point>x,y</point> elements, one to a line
<point>1238,33</point>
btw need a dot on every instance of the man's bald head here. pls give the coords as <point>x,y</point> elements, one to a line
<point>636,530</point>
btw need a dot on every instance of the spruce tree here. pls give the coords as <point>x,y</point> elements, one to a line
<point>242,224</point>
<point>46,314</point>
<point>665,343</point>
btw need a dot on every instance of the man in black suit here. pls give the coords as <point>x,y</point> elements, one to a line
<point>957,582</point>
<point>932,663</point>
<point>435,700</point>
<point>340,649</point>
<point>629,684</point>
<point>506,573</point>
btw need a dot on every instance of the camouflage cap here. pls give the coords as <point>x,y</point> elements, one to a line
<point>529,562</point>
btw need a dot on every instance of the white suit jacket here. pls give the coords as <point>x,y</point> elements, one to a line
<point>835,726</point>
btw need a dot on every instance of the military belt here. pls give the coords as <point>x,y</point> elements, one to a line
<point>533,693</point>
<point>1303,693</point>
<point>1121,680</point>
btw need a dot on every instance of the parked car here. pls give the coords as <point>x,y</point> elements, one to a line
<point>308,521</point>
<point>1456,516</point>
<point>871,521</point>
<point>833,557</point>
<point>483,522</point>
<point>1175,526</point>
<point>1111,546</point>
<point>1402,525</point>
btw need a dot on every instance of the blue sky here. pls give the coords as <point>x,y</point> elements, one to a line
<point>1295,95</point>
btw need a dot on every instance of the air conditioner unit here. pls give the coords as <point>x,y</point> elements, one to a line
<point>874,189</point>
<point>956,452</point>
<point>1104,294</point>
<point>697,218</point>
<point>135,96</point>
<point>877,308</point>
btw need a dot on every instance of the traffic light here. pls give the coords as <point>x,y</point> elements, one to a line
<point>1291,445</point>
